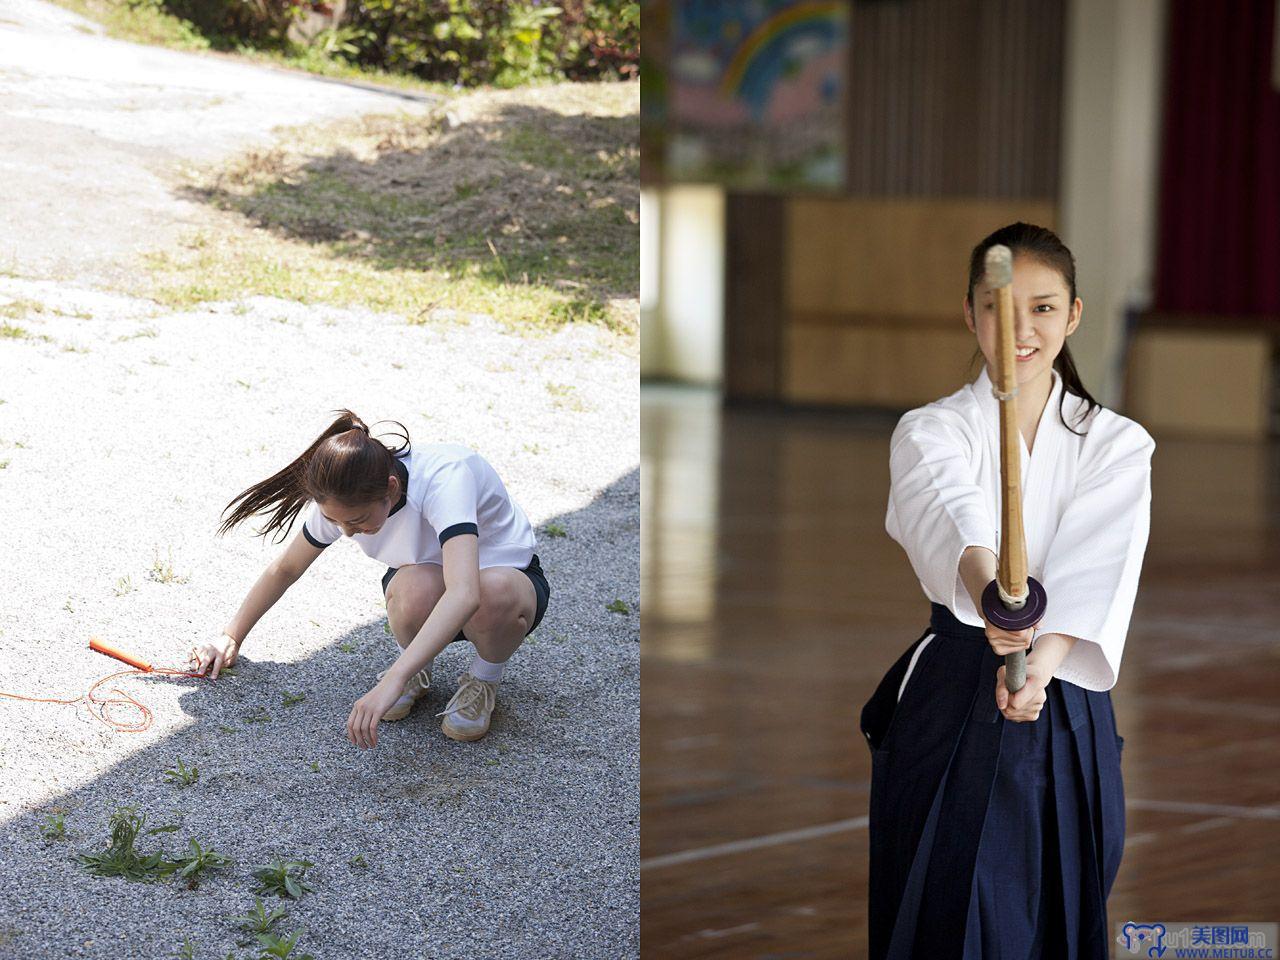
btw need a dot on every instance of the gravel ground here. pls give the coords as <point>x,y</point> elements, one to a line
<point>126,430</point>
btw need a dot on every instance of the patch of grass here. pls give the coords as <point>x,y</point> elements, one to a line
<point>72,348</point>
<point>54,827</point>
<point>146,332</point>
<point>259,715</point>
<point>358,862</point>
<point>554,530</point>
<point>187,951</point>
<point>22,308</point>
<point>9,331</point>
<point>4,463</point>
<point>121,858</point>
<point>527,212</point>
<point>124,586</point>
<point>223,727</point>
<point>290,699</point>
<point>182,775</point>
<point>162,570</point>
<point>619,606</point>
<point>565,397</point>
<point>347,646</point>
<point>284,878</point>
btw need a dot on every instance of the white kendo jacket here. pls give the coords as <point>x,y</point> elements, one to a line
<point>1086,505</point>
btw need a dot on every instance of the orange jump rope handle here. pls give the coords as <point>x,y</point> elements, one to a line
<point>110,651</point>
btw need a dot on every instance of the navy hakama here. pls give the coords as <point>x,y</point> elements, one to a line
<point>989,839</point>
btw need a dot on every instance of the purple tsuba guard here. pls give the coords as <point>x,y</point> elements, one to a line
<point>999,615</point>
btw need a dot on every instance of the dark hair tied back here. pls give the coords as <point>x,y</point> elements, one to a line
<point>1043,245</point>
<point>345,463</point>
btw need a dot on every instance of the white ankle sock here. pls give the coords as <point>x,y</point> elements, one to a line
<point>482,669</point>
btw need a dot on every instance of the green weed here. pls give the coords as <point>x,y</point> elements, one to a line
<point>54,828</point>
<point>619,606</point>
<point>258,920</point>
<point>162,570</point>
<point>259,715</point>
<point>293,698</point>
<point>182,775</point>
<point>121,858</point>
<point>281,948</point>
<point>192,865</point>
<point>555,530</point>
<point>123,586</point>
<point>284,878</point>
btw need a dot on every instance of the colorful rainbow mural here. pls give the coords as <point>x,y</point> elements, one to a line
<point>821,17</point>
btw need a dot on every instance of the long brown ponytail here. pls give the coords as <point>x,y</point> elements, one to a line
<point>1042,244</point>
<point>344,463</point>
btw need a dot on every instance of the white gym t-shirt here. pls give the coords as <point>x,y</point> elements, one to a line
<point>449,489</point>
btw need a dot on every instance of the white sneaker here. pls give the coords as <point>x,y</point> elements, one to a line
<point>414,689</point>
<point>467,715</point>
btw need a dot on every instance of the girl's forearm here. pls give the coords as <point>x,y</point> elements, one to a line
<point>270,587</point>
<point>441,626</point>
<point>977,569</point>
<point>1050,649</point>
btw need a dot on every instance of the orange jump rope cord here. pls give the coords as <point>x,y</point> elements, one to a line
<point>123,698</point>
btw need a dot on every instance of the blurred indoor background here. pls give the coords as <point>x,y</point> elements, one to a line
<point>815,175</point>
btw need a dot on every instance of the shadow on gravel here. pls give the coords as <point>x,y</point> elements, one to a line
<point>524,843</point>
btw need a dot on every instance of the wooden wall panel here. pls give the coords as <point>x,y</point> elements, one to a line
<point>1199,382</point>
<point>876,366</point>
<point>904,257</point>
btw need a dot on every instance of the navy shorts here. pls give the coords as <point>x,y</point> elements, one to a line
<point>541,589</point>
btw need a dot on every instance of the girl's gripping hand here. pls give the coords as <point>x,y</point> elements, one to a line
<point>217,654</point>
<point>1005,642</point>
<point>1026,704</point>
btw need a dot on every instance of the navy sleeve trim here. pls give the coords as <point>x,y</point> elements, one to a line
<point>456,529</point>
<point>312,540</point>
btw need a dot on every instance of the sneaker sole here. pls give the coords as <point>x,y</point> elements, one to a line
<point>455,734</point>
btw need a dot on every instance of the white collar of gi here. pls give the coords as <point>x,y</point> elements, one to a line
<point>991,406</point>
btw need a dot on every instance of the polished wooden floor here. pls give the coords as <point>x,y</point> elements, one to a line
<point>773,603</point>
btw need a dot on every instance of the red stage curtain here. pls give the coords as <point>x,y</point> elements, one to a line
<point>1219,207</point>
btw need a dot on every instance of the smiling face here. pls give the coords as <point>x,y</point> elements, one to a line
<point>1043,318</point>
<point>365,518</point>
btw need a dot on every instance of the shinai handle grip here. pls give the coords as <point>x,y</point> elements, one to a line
<point>1015,671</point>
<point>110,651</point>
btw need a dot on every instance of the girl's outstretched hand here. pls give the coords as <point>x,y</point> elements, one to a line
<point>214,653</point>
<point>1026,703</point>
<point>362,725</point>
